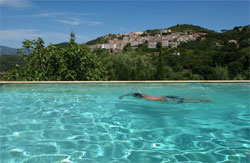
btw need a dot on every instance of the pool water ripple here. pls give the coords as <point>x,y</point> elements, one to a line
<point>88,123</point>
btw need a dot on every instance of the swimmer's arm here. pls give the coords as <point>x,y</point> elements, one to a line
<point>129,94</point>
<point>208,100</point>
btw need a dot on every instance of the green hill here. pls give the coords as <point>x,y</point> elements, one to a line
<point>7,62</point>
<point>102,39</point>
<point>4,50</point>
<point>189,28</point>
<point>62,45</point>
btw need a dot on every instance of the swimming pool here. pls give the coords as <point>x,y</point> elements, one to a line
<point>88,123</point>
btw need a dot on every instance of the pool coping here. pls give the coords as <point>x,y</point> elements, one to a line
<point>147,81</point>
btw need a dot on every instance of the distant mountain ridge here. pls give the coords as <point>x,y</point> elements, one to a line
<point>5,50</point>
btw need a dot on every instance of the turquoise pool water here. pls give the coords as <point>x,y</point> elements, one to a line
<point>88,123</point>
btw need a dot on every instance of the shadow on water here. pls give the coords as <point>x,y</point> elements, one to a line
<point>153,110</point>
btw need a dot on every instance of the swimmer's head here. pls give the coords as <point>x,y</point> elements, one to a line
<point>138,95</point>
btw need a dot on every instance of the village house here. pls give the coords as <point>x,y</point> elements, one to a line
<point>105,46</point>
<point>165,43</point>
<point>152,44</point>
<point>137,33</point>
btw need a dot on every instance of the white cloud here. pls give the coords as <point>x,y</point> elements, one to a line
<point>53,14</point>
<point>75,21</point>
<point>15,37</point>
<point>16,3</point>
<point>123,29</point>
<point>49,14</point>
<point>70,21</point>
<point>62,17</point>
<point>21,34</point>
<point>12,34</point>
<point>94,23</point>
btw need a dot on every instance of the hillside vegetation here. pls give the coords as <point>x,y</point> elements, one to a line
<point>7,62</point>
<point>189,28</point>
<point>217,56</point>
<point>102,39</point>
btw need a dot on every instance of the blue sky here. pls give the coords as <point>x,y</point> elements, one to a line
<point>53,19</point>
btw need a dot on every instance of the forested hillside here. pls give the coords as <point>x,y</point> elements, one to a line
<point>189,28</point>
<point>215,56</point>
<point>219,56</point>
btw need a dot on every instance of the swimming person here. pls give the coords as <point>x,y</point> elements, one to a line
<point>174,99</point>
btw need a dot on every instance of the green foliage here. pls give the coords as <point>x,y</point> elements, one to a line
<point>128,66</point>
<point>120,38</point>
<point>220,56</point>
<point>235,68</point>
<point>159,46</point>
<point>160,74</point>
<point>51,63</point>
<point>220,73</point>
<point>214,58</point>
<point>7,62</point>
<point>63,45</point>
<point>153,32</point>
<point>103,39</point>
<point>127,47</point>
<point>144,34</point>
<point>78,63</point>
<point>99,40</point>
<point>72,37</point>
<point>189,28</point>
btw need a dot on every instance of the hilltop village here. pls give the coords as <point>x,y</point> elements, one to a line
<point>116,42</point>
<point>212,56</point>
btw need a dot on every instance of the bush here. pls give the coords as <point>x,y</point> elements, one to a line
<point>51,63</point>
<point>220,73</point>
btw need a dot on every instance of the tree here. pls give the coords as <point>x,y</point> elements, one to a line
<point>160,74</point>
<point>220,73</point>
<point>159,46</point>
<point>127,47</point>
<point>51,63</point>
<point>78,63</point>
<point>72,37</point>
<point>234,69</point>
